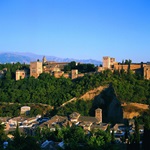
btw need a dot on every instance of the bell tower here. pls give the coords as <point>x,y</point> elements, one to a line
<point>98,114</point>
<point>44,60</point>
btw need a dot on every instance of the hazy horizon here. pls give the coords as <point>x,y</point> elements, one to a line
<point>28,54</point>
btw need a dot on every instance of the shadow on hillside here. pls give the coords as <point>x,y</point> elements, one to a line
<point>111,107</point>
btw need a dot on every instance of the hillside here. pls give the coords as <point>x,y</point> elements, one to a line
<point>90,95</point>
<point>102,96</point>
<point>131,110</point>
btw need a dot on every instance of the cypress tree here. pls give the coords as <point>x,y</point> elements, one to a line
<point>112,137</point>
<point>17,136</point>
<point>146,136</point>
<point>137,135</point>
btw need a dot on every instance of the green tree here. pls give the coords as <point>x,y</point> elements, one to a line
<point>95,143</point>
<point>108,129</point>
<point>17,137</point>
<point>73,137</point>
<point>98,139</point>
<point>137,133</point>
<point>146,136</point>
<point>22,142</point>
<point>2,135</point>
<point>112,137</point>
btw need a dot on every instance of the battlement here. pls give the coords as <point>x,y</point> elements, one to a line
<point>108,62</point>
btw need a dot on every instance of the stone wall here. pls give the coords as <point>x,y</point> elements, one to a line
<point>147,72</point>
<point>21,74</point>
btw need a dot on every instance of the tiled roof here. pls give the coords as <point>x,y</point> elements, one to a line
<point>18,119</point>
<point>102,126</point>
<point>4,119</point>
<point>54,120</point>
<point>74,115</point>
<point>87,119</point>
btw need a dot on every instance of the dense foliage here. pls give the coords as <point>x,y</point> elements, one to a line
<point>82,68</point>
<point>80,106</point>
<point>13,110</point>
<point>11,69</point>
<point>46,89</point>
<point>75,138</point>
<point>22,142</point>
<point>2,135</point>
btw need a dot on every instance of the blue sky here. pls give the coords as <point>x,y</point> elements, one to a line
<point>79,29</point>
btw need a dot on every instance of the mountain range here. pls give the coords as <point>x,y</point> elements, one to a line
<point>13,57</point>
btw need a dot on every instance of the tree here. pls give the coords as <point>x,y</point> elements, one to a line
<point>72,64</point>
<point>135,138</point>
<point>108,129</point>
<point>98,139</point>
<point>137,135</point>
<point>2,135</point>
<point>96,143</point>
<point>146,136</point>
<point>112,137</point>
<point>17,137</point>
<point>73,136</point>
<point>30,142</point>
<point>128,61</point>
<point>22,142</point>
<point>8,75</point>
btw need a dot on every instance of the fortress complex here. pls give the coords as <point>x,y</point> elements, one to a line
<point>56,68</point>
<point>53,68</point>
<point>141,68</point>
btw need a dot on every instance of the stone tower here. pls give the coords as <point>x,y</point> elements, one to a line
<point>108,62</point>
<point>98,114</point>
<point>74,73</point>
<point>36,68</point>
<point>44,60</point>
<point>21,74</point>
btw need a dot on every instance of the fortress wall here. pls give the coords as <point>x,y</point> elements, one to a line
<point>66,75</point>
<point>147,72</point>
<point>58,74</point>
<point>120,66</point>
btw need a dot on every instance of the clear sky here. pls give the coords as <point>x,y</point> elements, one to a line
<point>79,29</point>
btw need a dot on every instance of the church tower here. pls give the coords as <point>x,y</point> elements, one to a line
<point>44,60</point>
<point>98,114</point>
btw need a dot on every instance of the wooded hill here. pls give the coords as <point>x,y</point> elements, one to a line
<point>125,86</point>
<point>46,89</point>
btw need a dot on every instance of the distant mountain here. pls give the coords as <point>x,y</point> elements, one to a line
<point>28,57</point>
